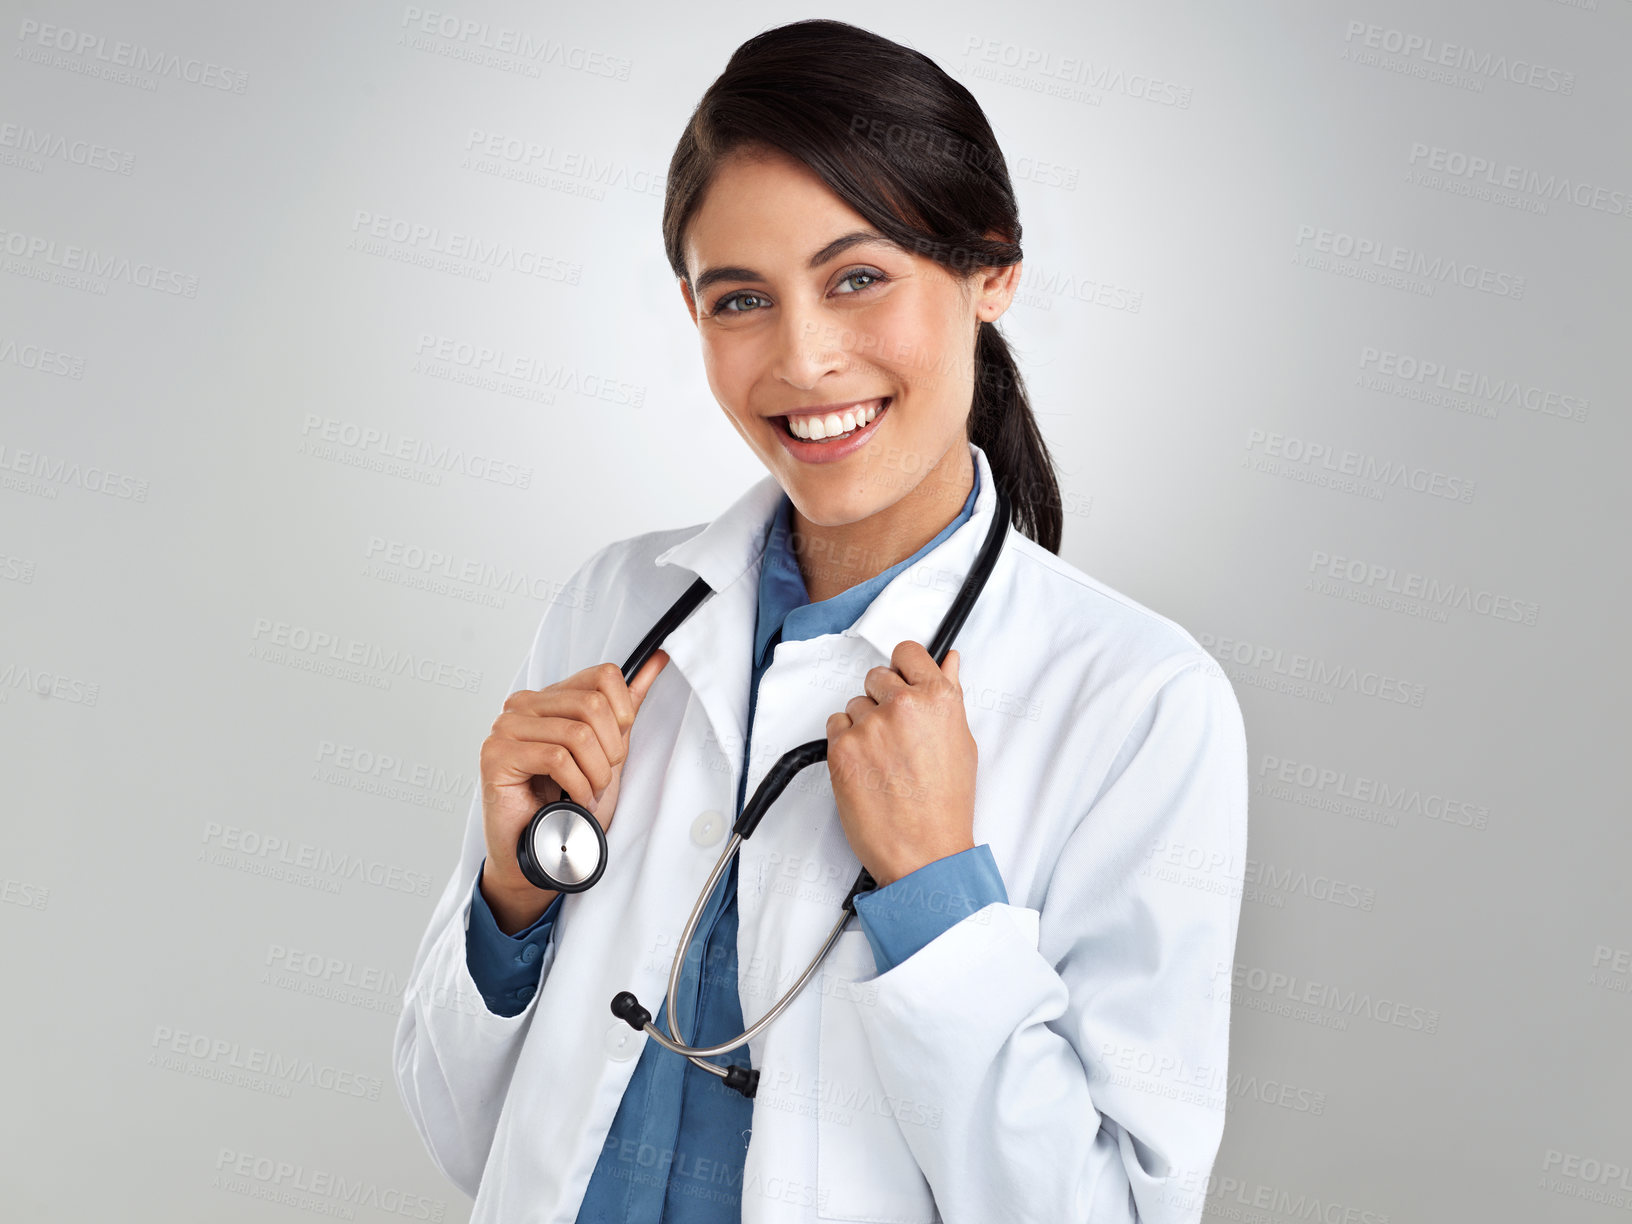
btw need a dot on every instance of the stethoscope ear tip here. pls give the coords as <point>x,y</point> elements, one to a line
<point>628,1009</point>
<point>744,1079</point>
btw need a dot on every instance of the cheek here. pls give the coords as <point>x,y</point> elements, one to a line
<point>915,345</point>
<point>722,363</point>
<point>728,364</point>
<point>730,375</point>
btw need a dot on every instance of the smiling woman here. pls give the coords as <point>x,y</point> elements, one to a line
<point>845,235</point>
<point>1006,998</point>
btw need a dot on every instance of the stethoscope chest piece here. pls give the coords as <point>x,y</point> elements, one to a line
<point>563,848</point>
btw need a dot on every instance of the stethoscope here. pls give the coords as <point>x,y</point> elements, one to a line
<point>564,847</point>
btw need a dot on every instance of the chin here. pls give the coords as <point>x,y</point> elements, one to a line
<point>841,508</point>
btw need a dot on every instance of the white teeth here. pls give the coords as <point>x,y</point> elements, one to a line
<point>834,424</point>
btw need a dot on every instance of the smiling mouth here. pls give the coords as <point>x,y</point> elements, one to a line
<point>834,426</point>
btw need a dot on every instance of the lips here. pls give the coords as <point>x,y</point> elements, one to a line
<point>832,450</point>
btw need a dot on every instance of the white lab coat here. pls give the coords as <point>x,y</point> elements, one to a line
<point>1058,1058</point>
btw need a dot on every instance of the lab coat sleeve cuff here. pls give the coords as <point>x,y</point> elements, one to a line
<point>505,968</point>
<point>903,916</point>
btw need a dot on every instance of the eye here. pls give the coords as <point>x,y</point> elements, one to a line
<point>731,297</point>
<point>875,277</point>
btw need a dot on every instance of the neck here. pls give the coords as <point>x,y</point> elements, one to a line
<point>834,559</point>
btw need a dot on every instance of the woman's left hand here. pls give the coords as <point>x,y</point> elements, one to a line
<point>902,761</point>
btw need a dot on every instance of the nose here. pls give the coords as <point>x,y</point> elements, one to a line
<point>807,348</point>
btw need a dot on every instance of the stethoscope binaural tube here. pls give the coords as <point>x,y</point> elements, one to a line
<point>563,847</point>
<point>626,1007</point>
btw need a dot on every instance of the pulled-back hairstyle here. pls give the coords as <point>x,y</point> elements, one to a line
<point>908,148</point>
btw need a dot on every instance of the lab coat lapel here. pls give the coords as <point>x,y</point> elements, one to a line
<point>713,647</point>
<point>794,873</point>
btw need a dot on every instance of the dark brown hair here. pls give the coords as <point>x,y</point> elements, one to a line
<point>908,148</point>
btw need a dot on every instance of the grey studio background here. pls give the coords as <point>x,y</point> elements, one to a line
<point>334,337</point>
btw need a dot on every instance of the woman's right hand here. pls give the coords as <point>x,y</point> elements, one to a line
<point>572,737</point>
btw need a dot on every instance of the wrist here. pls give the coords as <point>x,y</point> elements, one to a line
<point>515,908</point>
<point>893,870</point>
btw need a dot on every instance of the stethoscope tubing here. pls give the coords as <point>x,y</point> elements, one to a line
<point>675,1041</point>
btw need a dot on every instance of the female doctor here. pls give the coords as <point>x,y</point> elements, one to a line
<point>1027,1017</point>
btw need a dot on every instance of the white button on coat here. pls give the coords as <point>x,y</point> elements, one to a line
<point>708,828</point>
<point>622,1042</point>
<point>1061,1057</point>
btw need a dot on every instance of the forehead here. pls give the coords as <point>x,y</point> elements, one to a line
<point>765,206</point>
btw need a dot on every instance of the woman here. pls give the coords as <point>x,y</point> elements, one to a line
<point>1026,1019</point>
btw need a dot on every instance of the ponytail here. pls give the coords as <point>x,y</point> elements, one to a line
<point>1003,425</point>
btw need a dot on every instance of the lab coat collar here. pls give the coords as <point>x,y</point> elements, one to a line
<point>911,605</point>
<point>723,550</point>
<point>726,553</point>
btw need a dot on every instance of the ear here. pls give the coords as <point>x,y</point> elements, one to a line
<point>691,304</point>
<point>995,287</point>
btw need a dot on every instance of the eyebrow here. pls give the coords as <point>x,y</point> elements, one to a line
<point>831,251</point>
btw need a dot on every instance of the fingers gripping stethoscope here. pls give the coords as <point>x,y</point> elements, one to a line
<point>563,847</point>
